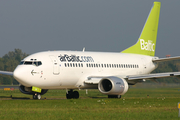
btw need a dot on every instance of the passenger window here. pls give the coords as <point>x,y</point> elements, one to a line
<point>81,65</point>
<point>102,65</point>
<point>65,64</point>
<point>91,65</point>
<point>121,65</point>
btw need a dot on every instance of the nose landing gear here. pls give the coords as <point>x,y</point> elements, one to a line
<point>37,96</point>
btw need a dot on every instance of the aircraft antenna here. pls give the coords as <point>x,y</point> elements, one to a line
<point>84,49</point>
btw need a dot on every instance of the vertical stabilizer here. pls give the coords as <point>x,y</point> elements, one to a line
<point>146,44</point>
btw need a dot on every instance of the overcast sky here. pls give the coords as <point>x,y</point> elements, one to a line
<point>97,25</point>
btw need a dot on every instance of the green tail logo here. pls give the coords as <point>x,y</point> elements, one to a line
<point>146,43</point>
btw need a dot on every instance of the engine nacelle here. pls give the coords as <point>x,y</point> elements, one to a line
<point>28,90</point>
<point>113,86</point>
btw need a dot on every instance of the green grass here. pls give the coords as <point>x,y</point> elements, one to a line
<point>144,103</point>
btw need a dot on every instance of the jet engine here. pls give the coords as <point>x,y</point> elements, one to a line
<point>113,86</point>
<point>28,90</point>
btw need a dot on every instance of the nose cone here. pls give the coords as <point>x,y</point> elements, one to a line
<point>20,75</point>
<point>17,74</point>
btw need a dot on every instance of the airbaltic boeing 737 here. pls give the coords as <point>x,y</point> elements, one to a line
<point>110,73</point>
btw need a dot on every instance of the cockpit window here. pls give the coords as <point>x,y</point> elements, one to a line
<point>36,63</point>
<point>21,63</point>
<point>27,63</point>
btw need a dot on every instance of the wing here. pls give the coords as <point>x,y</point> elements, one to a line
<point>153,76</point>
<point>133,79</point>
<point>6,73</point>
<point>93,79</point>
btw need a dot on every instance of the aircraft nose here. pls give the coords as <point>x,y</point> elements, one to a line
<point>20,75</point>
<point>17,74</point>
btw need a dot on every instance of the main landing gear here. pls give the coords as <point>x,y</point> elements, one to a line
<point>114,96</point>
<point>72,94</point>
<point>37,96</point>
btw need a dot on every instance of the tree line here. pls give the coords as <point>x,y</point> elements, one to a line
<point>10,60</point>
<point>8,63</point>
<point>168,66</point>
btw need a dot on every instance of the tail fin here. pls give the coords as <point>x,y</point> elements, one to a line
<point>146,43</point>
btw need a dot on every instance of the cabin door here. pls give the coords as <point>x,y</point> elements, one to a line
<point>54,61</point>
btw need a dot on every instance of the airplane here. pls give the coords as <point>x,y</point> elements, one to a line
<point>111,73</point>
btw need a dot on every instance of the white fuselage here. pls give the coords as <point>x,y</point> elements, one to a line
<point>69,69</point>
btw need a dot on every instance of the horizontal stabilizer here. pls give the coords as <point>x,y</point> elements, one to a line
<point>166,59</point>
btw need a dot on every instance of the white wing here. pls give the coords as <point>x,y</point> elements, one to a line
<point>6,73</point>
<point>135,78</point>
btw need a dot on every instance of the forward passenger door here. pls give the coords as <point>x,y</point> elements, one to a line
<point>55,63</point>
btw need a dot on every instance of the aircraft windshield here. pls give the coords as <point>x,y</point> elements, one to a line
<point>36,63</point>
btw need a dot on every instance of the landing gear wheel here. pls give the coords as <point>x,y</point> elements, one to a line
<point>72,94</point>
<point>114,96</point>
<point>109,96</point>
<point>69,95</point>
<point>76,94</point>
<point>37,96</point>
<point>119,96</point>
<point>34,96</point>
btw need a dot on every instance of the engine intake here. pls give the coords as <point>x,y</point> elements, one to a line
<point>113,86</point>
